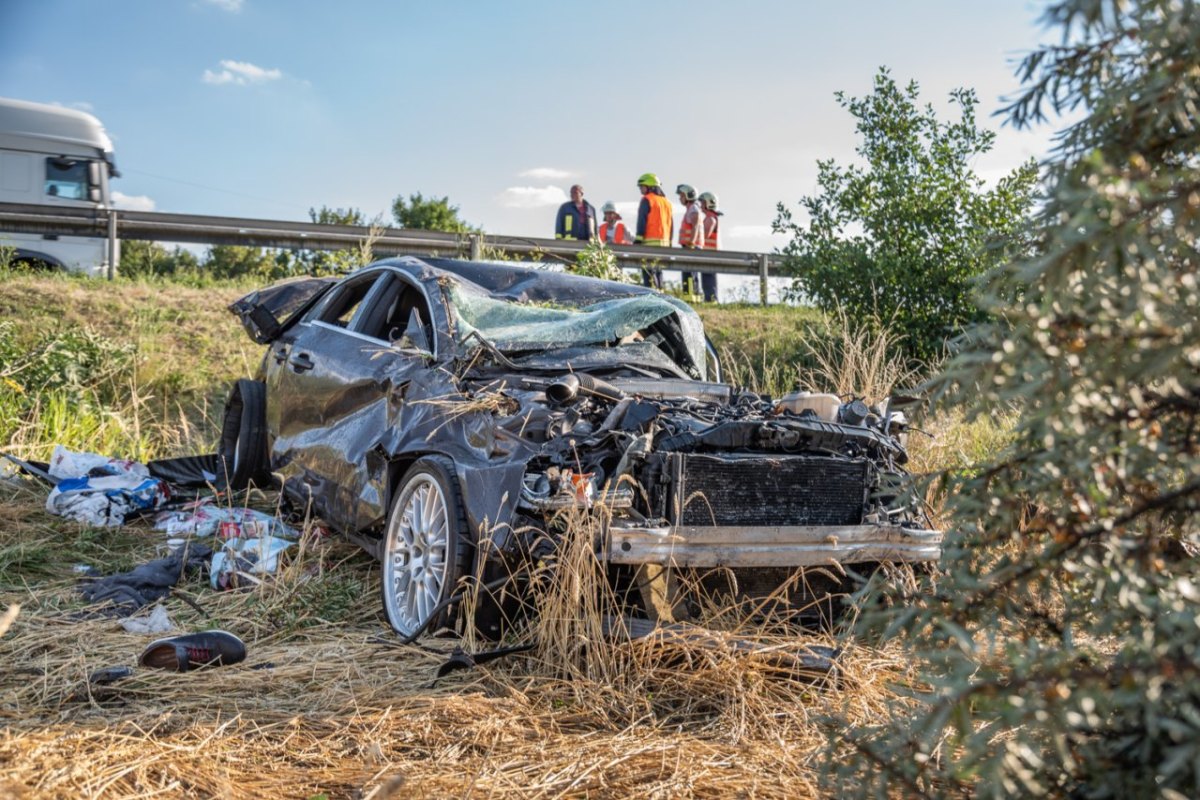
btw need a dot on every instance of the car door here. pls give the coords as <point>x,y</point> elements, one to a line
<point>332,394</point>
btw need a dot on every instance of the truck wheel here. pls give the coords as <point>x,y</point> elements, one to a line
<point>243,448</point>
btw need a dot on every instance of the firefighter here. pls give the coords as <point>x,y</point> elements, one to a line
<point>655,223</point>
<point>576,218</point>
<point>712,224</point>
<point>691,231</point>
<point>613,230</point>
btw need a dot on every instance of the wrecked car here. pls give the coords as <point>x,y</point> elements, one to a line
<point>443,414</point>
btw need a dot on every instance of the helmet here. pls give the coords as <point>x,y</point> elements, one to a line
<point>607,207</point>
<point>688,192</point>
<point>648,179</point>
<point>709,201</point>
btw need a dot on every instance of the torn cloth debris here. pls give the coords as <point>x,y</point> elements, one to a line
<point>141,586</point>
<point>156,621</point>
<point>101,491</point>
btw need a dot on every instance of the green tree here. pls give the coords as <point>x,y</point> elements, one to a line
<point>429,214</point>
<point>235,261</point>
<point>333,262</point>
<point>150,259</point>
<point>337,216</point>
<point>1063,643</point>
<point>903,237</point>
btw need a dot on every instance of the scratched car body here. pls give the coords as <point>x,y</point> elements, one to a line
<point>443,413</point>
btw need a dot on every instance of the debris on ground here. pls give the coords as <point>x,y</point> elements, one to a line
<point>128,592</point>
<point>156,621</point>
<point>9,617</point>
<point>213,648</point>
<point>206,518</point>
<point>239,560</point>
<point>101,491</point>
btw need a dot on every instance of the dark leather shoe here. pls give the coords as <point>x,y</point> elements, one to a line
<point>193,651</point>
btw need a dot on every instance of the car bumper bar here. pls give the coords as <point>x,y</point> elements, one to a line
<point>780,546</point>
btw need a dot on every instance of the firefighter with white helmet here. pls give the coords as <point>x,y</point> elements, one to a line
<point>612,229</point>
<point>691,232</point>
<point>711,229</point>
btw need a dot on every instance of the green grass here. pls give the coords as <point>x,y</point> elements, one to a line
<point>187,350</point>
<point>762,346</point>
<point>36,546</point>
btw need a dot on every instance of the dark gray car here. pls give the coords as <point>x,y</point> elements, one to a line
<point>443,413</point>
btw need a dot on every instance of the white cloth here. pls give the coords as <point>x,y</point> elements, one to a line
<point>101,491</point>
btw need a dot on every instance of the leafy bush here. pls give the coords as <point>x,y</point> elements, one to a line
<point>904,237</point>
<point>597,260</point>
<point>74,361</point>
<point>63,382</point>
<point>1062,643</point>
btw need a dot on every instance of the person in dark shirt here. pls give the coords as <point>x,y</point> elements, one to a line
<point>576,218</point>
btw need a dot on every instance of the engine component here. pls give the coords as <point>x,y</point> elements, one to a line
<point>853,413</point>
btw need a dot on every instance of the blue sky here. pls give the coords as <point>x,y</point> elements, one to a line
<point>264,108</point>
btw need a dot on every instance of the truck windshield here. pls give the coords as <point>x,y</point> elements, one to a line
<point>66,179</point>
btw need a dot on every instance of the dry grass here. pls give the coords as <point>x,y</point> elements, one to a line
<point>857,359</point>
<point>328,702</point>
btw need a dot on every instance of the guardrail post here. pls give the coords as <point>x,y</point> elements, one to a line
<point>476,247</point>
<point>112,243</point>
<point>764,261</point>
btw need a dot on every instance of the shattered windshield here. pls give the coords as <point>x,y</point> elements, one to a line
<point>520,327</point>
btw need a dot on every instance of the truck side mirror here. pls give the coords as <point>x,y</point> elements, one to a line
<point>94,181</point>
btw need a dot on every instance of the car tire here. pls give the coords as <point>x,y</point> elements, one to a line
<point>426,549</point>
<point>243,448</point>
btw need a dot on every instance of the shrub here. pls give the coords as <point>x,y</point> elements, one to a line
<point>903,237</point>
<point>1061,644</point>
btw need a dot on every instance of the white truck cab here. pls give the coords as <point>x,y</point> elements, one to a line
<point>58,157</point>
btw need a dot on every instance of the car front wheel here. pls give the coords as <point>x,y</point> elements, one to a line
<point>426,548</point>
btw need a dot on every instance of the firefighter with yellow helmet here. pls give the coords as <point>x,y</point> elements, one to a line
<point>655,223</point>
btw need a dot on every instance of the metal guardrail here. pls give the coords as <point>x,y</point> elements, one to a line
<point>199,229</point>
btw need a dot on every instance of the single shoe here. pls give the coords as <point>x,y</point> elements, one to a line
<point>193,651</point>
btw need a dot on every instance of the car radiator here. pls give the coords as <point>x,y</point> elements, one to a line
<point>764,490</point>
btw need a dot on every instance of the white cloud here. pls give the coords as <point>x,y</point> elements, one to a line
<point>133,202</point>
<point>627,208</point>
<point>546,174</point>
<point>240,73</point>
<point>532,196</point>
<point>232,6</point>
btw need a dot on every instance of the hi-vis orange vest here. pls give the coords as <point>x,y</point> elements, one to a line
<point>711,224</point>
<point>693,218</point>
<point>658,221</point>
<point>620,234</point>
